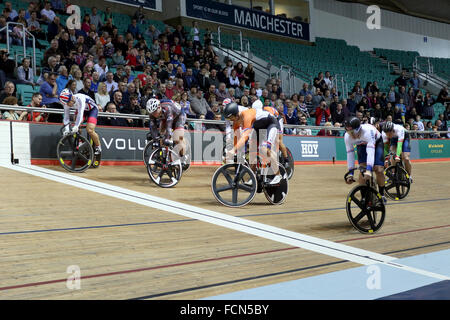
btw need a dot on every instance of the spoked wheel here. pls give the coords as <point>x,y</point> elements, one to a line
<point>397,183</point>
<point>369,213</point>
<point>277,194</point>
<point>164,168</point>
<point>234,185</point>
<point>75,153</point>
<point>148,149</point>
<point>290,166</point>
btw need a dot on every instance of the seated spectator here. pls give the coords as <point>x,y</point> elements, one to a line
<point>326,132</point>
<point>95,19</point>
<point>233,80</point>
<point>11,114</point>
<point>62,79</point>
<point>338,116</point>
<point>87,88</point>
<point>133,28</point>
<point>304,131</point>
<point>25,73</point>
<point>139,15</point>
<point>47,14</point>
<point>133,107</point>
<point>443,96</point>
<point>402,80</point>
<point>222,92</point>
<point>199,106</point>
<point>95,81</point>
<point>402,109</point>
<point>291,118</point>
<point>8,91</point>
<point>7,67</point>
<point>36,102</point>
<point>101,96</point>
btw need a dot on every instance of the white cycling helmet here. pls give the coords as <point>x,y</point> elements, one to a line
<point>152,105</point>
<point>257,105</point>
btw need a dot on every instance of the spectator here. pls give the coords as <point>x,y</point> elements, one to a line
<point>249,75</point>
<point>304,131</point>
<point>36,102</point>
<point>317,99</point>
<point>7,67</point>
<point>222,93</point>
<point>62,79</point>
<point>102,97</point>
<point>402,80</point>
<point>112,120</point>
<point>11,114</point>
<point>401,106</point>
<point>95,19</point>
<point>117,99</point>
<point>111,85</point>
<point>47,14</point>
<point>8,91</point>
<point>133,107</point>
<point>195,35</point>
<point>233,80</point>
<point>415,82</point>
<point>25,73</point>
<point>305,90</point>
<point>199,106</point>
<point>95,81</point>
<point>428,110</point>
<point>87,88</point>
<point>443,96</point>
<point>326,131</point>
<point>322,114</point>
<point>338,116</point>
<point>133,28</point>
<point>101,67</point>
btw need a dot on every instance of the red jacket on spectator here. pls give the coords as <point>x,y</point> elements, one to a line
<point>320,112</point>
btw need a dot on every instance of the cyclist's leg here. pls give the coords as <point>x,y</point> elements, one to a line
<point>379,166</point>
<point>178,139</point>
<point>406,151</point>
<point>362,161</point>
<point>90,127</point>
<point>269,148</point>
<point>280,140</point>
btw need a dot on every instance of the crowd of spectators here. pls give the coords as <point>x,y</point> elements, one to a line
<point>122,71</point>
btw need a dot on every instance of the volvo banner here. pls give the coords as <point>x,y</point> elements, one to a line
<point>247,18</point>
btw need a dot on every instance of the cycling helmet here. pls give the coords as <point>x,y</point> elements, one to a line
<point>65,96</point>
<point>152,105</point>
<point>231,109</point>
<point>388,126</point>
<point>257,105</point>
<point>226,101</point>
<point>354,124</point>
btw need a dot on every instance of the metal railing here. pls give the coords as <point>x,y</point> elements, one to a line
<point>25,32</point>
<point>197,122</point>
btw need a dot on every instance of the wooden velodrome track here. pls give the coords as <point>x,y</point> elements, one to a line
<point>125,250</point>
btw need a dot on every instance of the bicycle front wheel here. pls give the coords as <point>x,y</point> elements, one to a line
<point>75,153</point>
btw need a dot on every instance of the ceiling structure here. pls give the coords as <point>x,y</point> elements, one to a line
<point>437,10</point>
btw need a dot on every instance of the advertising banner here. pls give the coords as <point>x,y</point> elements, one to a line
<point>434,148</point>
<point>147,4</point>
<point>246,18</point>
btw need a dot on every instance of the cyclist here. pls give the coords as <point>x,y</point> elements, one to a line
<point>167,116</point>
<point>370,152</point>
<point>250,120</point>
<point>396,140</point>
<point>86,108</point>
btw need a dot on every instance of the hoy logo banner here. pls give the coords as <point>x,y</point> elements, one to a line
<point>310,149</point>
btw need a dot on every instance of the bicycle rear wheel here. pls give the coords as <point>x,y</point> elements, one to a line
<point>397,183</point>
<point>234,185</point>
<point>164,168</point>
<point>277,194</point>
<point>369,214</point>
<point>75,153</point>
<point>290,166</point>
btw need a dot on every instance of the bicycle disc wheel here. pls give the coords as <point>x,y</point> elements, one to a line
<point>369,213</point>
<point>75,153</point>
<point>277,194</point>
<point>397,183</point>
<point>234,185</point>
<point>291,166</point>
<point>164,169</point>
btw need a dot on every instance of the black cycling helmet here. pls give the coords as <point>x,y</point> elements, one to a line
<point>388,126</point>
<point>353,123</point>
<point>231,109</point>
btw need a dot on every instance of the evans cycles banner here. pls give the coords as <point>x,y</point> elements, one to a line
<point>246,18</point>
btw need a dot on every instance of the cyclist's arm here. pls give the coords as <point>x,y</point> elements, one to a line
<point>386,142</point>
<point>401,138</point>
<point>350,153</point>
<point>66,120</point>
<point>80,113</point>
<point>154,127</point>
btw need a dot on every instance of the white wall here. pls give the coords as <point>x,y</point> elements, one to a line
<point>355,32</point>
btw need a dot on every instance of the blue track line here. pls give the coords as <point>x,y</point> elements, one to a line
<point>189,220</point>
